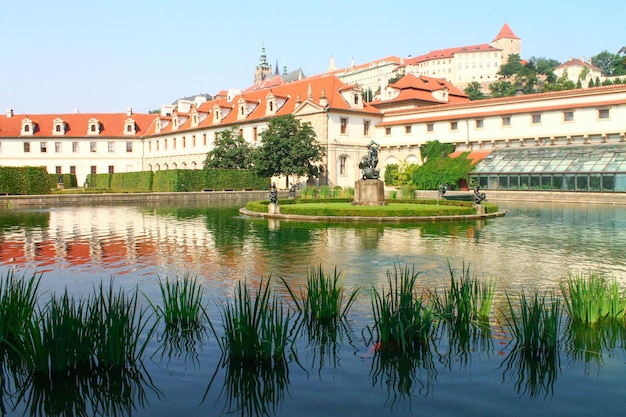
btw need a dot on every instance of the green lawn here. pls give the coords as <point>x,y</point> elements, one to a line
<point>389,210</point>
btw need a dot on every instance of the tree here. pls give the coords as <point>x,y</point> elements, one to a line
<point>513,66</point>
<point>502,89</point>
<point>288,147</point>
<point>474,91</point>
<point>610,64</point>
<point>231,151</point>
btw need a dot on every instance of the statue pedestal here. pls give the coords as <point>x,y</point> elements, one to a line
<point>273,209</point>
<point>369,193</point>
<point>480,209</point>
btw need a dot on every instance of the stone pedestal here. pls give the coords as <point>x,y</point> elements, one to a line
<point>369,193</point>
<point>480,209</point>
<point>273,209</point>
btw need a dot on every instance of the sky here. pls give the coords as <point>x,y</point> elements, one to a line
<point>103,56</point>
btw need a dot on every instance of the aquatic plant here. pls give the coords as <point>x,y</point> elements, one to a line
<point>182,307</point>
<point>18,301</point>
<point>466,299</point>
<point>593,297</point>
<point>536,326</point>
<point>323,297</point>
<point>402,320</point>
<point>256,326</point>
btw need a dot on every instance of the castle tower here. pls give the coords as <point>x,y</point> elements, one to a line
<point>508,42</point>
<point>263,68</point>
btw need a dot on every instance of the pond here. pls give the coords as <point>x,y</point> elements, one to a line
<point>535,246</point>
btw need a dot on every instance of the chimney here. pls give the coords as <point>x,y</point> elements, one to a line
<point>9,113</point>
<point>129,111</point>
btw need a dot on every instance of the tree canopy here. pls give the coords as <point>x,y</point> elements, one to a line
<point>288,147</point>
<point>231,151</point>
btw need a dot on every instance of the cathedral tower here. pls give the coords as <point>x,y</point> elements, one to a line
<point>263,68</point>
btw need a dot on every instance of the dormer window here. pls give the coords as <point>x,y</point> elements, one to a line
<point>270,104</point>
<point>94,127</point>
<point>129,127</point>
<point>58,126</point>
<point>217,114</point>
<point>356,99</point>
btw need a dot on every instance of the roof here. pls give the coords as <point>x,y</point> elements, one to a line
<point>474,156</point>
<point>505,33</point>
<point>573,62</point>
<point>413,88</point>
<point>450,52</point>
<point>76,124</point>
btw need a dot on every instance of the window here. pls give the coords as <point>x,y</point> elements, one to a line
<point>506,120</point>
<point>73,169</point>
<point>603,113</point>
<point>92,146</point>
<point>129,128</point>
<point>407,129</point>
<point>93,169</point>
<point>57,128</point>
<point>480,123</point>
<point>165,144</point>
<point>43,146</point>
<point>57,147</point>
<point>204,138</point>
<point>366,127</point>
<point>173,143</point>
<point>111,169</point>
<point>93,128</point>
<point>356,99</point>
<point>57,169</point>
<point>568,116</point>
<point>430,127</point>
<point>75,147</point>
<point>344,125</point>
<point>26,147</point>
<point>387,131</point>
<point>342,165</point>
<point>129,146</point>
<point>193,141</point>
<point>536,119</point>
<point>26,128</point>
<point>254,133</point>
<point>111,146</point>
<point>454,125</point>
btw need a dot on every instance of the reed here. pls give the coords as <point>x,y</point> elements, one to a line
<point>117,324</point>
<point>182,305</point>
<point>591,298</point>
<point>100,332</point>
<point>536,326</point>
<point>402,320</point>
<point>18,301</point>
<point>58,339</point>
<point>256,326</point>
<point>466,299</point>
<point>323,297</point>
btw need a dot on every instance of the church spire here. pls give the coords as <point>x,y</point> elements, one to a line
<point>332,66</point>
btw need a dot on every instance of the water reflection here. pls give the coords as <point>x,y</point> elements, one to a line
<point>589,344</point>
<point>252,389</point>
<point>533,372</point>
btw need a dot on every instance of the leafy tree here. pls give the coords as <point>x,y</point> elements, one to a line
<point>502,89</point>
<point>231,151</point>
<point>474,91</point>
<point>436,150</point>
<point>391,174</point>
<point>610,64</point>
<point>512,67</point>
<point>288,147</point>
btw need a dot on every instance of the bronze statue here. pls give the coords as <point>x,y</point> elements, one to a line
<point>368,163</point>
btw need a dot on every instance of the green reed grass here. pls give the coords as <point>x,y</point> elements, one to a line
<point>117,323</point>
<point>323,298</point>
<point>402,320</point>
<point>182,305</point>
<point>100,332</point>
<point>535,321</point>
<point>18,301</point>
<point>256,326</point>
<point>593,297</point>
<point>466,299</point>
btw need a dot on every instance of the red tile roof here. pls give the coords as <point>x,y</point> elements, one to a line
<point>421,89</point>
<point>77,124</point>
<point>505,33</point>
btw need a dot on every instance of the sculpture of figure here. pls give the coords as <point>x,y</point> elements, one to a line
<point>478,196</point>
<point>368,163</point>
<point>273,194</point>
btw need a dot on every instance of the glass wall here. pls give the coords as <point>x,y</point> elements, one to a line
<point>597,168</point>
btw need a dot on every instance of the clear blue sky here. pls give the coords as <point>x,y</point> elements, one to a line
<point>105,56</point>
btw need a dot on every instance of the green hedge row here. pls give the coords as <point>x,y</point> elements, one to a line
<point>25,181</point>
<point>178,181</point>
<point>68,180</point>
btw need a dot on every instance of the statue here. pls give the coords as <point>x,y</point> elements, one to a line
<point>478,196</point>
<point>273,194</point>
<point>368,163</point>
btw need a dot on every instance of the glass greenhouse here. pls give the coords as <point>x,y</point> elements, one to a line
<point>601,168</point>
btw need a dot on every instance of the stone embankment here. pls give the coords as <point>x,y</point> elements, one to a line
<point>496,196</point>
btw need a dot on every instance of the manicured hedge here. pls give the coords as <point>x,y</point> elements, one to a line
<point>25,181</point>
<point>132,181</point>
<point>68,180</point>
